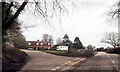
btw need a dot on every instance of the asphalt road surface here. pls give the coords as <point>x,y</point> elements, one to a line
<point>44,61</point>
<point>100,62</point>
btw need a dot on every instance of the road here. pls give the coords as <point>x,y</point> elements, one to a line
<point>101,61</point>
<point>44,61</point>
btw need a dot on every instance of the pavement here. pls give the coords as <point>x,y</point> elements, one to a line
<point>43,61</point>
<point>102,62</point>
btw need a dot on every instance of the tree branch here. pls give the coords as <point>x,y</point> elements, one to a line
<point>8,23</point>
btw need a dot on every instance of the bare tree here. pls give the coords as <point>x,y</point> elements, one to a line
<point>114,12</point>
<point>51,40</point>
<point>42,8</point>
<point>45,37</point>
<point>59,41</point>
<point>89,47</point>
<point>7,22</point>
<point>111,38</point>
<point>19,41</point>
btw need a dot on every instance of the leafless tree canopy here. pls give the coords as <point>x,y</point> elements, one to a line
<point>114,12</point>
<point>47,37</point>
<point>111,38</point>
<point>59,41</point>
<point>46,9</point>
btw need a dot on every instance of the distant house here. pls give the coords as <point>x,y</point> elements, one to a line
<point>63,48</point>
<point>39,44</point>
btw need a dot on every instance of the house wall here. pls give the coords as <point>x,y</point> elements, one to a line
<point>33,44</point>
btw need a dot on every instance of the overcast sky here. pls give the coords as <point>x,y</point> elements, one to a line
<point>86,21</point>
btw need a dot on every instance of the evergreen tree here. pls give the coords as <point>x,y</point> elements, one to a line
<point>77,43</point>
<point>66,40</point>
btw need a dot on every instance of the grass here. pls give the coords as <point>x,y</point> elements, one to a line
<point>95,53</point>
<point>55,52</point>
<point>71,54</point>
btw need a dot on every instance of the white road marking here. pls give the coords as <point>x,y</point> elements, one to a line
<point>113,62</point>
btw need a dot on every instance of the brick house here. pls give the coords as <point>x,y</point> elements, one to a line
<point>39,44</point>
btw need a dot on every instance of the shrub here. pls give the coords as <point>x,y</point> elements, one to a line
<point>42,48</point>
<point>81,53</point>
<point>53,49</point>
<point>113,50</point>
<point>89,53</point>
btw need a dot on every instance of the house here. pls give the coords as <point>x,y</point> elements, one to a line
<point>63,48</point>
<point>38,44</point>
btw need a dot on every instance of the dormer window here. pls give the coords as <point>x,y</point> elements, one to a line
<point>29,43</point>
<point>37,43</point>
<point>41,43</point>
<point>48,43</point>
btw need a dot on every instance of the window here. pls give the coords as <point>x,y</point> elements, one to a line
<point>41,43</point>
<point>29,43</point>
<point>37,43</point>
<point>48,43</point>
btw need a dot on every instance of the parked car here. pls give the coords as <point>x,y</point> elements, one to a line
<point>81,50</point>
<point>29,49</point>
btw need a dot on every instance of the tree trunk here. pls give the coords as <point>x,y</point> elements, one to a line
<point>8,23</point>
<point>7,12</point>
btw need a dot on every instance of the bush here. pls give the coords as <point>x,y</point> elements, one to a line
<point>81,53</point>
<point>42,48</point>
<point>89,53</point>
<point>13,58</point>
<point>113,50</point>
<point>53,49</point>
<point>117,50</point>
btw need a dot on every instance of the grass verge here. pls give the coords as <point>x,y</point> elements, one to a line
<point>71,54</point>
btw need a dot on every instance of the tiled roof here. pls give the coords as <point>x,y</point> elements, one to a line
<point>33,42</point>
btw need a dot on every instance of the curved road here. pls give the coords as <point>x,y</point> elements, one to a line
<point>44,61</point>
